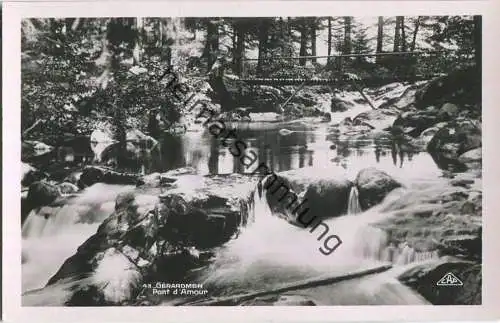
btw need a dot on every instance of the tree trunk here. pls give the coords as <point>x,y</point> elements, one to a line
<point>415,32</point>
<point>216,81</point>
<point>303,43</point>
<point>240,49</point>
<point>211,49</point>
<point>166,51</point>
<point>233,47</point>
<point>329,39</point>
<point>289,27</point>
<point>380,37</point>
<point>397,34</point>
<point>287,37</point>
<point>116,33</point>
<point>282,36</point>
<point>313,39</point>
<point>139,28</point>
<point>478,44</point>
<point>403,34</point>
<point>347,35</point>
<point>288,287</point>
<point>263,42</point>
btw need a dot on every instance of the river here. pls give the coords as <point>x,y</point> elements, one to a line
<point>269,252</point>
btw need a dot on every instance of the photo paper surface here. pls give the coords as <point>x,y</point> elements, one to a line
<point>186,161</point>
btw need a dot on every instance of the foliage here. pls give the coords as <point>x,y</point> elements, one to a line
<point>79,71</point>
<point>68,80</point>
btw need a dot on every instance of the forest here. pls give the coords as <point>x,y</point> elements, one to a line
<point>78,71</point>
<point>129,177</point>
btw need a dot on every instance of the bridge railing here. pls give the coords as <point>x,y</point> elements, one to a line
<point>391,65</point>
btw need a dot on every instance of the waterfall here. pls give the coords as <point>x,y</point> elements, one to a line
<point>260,207</point>
<point>366,241</point>
<point>374,243</point>
<point>408,255</point>
<point>353,206</point>
<point>269,251</point>
<point>51,234</point>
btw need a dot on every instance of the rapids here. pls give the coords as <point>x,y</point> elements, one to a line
<point>52,234</point>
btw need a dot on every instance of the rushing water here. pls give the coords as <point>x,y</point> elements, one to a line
<point>353,206</point>
<point>268,252</point>
<point>53,234</point>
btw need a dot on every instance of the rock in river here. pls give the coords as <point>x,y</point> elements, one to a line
<point>323,192</point>
<point>373,186</point>
<point>458,137</point>
<point>424,278</point>
<point>42,193</point>
<point>154,238</point>
<point>471,156</point>
<point>96,174</point>
<point>31,175</point>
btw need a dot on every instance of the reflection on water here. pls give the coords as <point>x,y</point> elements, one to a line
<point>302,147</point>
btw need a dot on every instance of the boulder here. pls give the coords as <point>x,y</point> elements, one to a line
<point>373,186</point>
<point>402,98</point>
<point>29,175</point>
<point>139,146</point>
<point>456,138</point>
<point>415,122</point>
<point>346,122</point>
<point>41,193</point>
<point>33,150</point>
<point>327,198</point>
<point>25,170</point>
<point>73,177</point>
<point>116,279</point>
<point>339,105</point>
<point>471,156</point>
<point>449,110</point>
<point>204,221</point>
<point>67,188</point>
<point>424,278</point>
<point>427,135</point>
<point>154,238</point>
<point>96,174</point>
<point>117,241</point>
<point>323,193</point>
<point>378,119</point>
<point>139,149</point>
<point>445,218</point>
<point>100,139</point>
<point>461,87</point>
<point>138,138</point>
<point>231,92</point>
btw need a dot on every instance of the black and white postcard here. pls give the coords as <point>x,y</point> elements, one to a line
<point>185,160</point>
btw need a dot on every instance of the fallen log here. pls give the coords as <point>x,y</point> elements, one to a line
<point>307,283</point>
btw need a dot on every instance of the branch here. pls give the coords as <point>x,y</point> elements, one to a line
<point>76,24</point>
<point>25,132</point>
<point>308,283</point>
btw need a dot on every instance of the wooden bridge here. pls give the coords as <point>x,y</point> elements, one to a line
<point>340,81</point>
<point>341,78</point>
